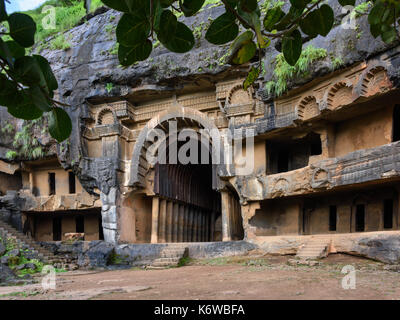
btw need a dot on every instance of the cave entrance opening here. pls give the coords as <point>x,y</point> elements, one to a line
<point>189,207</point>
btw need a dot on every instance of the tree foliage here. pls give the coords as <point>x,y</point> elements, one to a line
<point>145,20</point>
<point>27,83</point>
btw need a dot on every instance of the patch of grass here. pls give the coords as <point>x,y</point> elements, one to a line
<point>19,294</point>
<point>283,72</point>
<point>184,261</point>
<point>60,43</point>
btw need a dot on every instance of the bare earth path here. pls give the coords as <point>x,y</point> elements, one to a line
<point>238,278</point>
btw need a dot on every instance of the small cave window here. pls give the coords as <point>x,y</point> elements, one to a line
<point>291,154</point>
<point>57,232</point>
<point>52,183</point>
<point>388,214</point>
<point>72,183</point>
<point>101,234</point>
<point>332,218</point>
<point>283,161</point>
<point>360,218</point>
<point>80,224</point>
<point>315,144</point>
<point>396,124</point>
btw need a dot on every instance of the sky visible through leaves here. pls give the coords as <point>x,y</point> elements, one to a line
<point>23,5</point>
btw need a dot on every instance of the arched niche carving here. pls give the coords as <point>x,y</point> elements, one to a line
<point>106,117</point>
<point>238,96</point>
<point>308,108</point>
<point>374,81</point>
<point>340,94</point>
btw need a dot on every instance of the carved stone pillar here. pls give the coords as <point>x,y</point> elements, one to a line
<point>109,215</point>
<point>212,226</point>
<point>226,216</point>
<point>154,219</point>
<point>181,222</point>
<point>175,226</point>
<point>207,227</point>
<point>200,224</point>
<point>186,224</point>
<point>170,211</point>
<point>195,224</point>
<point>191,225</point>
<point>162,222</point>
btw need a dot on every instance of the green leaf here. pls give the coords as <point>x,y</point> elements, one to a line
<point>133,28</point>
<point>191,7</point>
<point>48,74</point>
<point>174,35</point>
<point>39,99</point>
<point>300,4</point>
<point>22,29</point>
<point>251,77</point>
<point>158,10</point>
<point>15,49</point>
<point>27,71</point>
<point>319,21</point>
<point>129,55</point>
<point>309,25</point>
<point>60,125</point>
<point>376,13</point>
<point>389,34</point>
<point>24,108</point>
<point>223,29</point>
<point>327,18</point>
<point>375,30</point>
<point>292,15</point>
<point>232,3</point>
<point>167,3</point>
<point>347,2</point>
<point>292,46</point>
<point>8,91</point>
<point>272,17</point>
<point>124,5</point>
<point>3,12</point>
<point>248,5</point>
<point>245,53</point>
<point>244,38</point>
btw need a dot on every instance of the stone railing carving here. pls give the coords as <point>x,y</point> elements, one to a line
<point>355,168</point>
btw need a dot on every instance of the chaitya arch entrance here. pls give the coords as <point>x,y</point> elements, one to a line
<point>175,200</point>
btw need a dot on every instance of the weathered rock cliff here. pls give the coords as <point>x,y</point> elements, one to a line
<point>90,71</point>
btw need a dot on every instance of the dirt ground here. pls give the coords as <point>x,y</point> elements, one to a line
<point>236,278</point>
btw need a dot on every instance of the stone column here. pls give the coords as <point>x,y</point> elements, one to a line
<point>175,226</point>
<point>170,210</point>
<point>207,227</point>
<point>181,222</point>
<point>195,225</point>
<point>212,226</point>
<point>154,219</point>
<point>109,215</point>
<point>190,225</point>
<point>200,221</point>
<point>226,217</point>
<point>186,224</point>
<point>162,222</point>
<point>204,226</point>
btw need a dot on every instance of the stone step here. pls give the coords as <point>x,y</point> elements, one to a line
<point>24,242</point>
<point>169,256</point>
<point>315,249</point>
<point>170,260</point>
<point>163,264</point>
